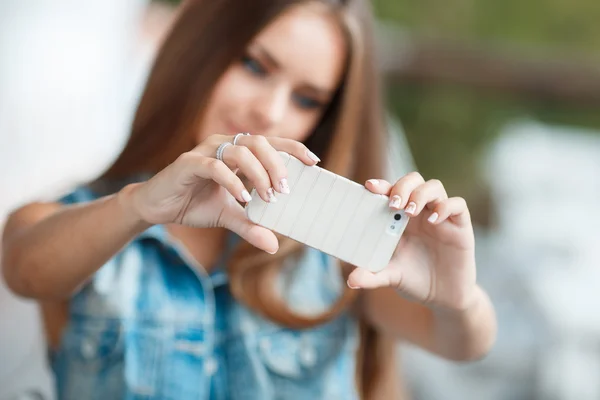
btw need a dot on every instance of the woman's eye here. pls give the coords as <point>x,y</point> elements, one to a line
<point>253,66</point>
<point>307,103</point>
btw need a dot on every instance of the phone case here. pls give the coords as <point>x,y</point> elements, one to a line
<point>332,214</point>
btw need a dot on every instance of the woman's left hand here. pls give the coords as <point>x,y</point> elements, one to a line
<point>435,260</point>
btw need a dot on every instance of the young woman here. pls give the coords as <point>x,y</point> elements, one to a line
<point>173,294</point>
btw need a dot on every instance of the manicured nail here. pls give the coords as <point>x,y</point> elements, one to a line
<point>285,188</point>
<point>271,195</point>
<point>373,182</point>
<point>352,287</point>
<point>412,207</point>
<point>395,201</point>
<point>433,217</point>
<point>312,156</point>
<point>246,196</point>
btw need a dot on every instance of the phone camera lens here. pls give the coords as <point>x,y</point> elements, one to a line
<point>397,217</point>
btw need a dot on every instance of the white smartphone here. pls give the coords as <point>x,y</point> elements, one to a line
<point>332,214</point>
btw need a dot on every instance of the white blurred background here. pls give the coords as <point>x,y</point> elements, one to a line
<point>70,74</point>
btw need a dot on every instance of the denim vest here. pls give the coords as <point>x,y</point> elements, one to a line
<point>152,324</point>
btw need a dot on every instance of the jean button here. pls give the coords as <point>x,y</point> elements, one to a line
<point>87,349</point>
<point>211,366</point>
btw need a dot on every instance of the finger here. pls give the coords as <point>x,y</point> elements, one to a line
<point>360,278</point>
<point>210,168</point>
<point>270,160</point>
<point>378,186</point>
<point>209,146</point>
<point>235,219</point>
<point>428,195</point>
<point>295,148</point>
<point>454,208</point>
<point>241,158</point>
<point>400,193</point>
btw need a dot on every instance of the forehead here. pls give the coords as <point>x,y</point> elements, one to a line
<point>308,41</point>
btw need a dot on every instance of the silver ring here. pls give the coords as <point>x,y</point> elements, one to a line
<point>236,137</point>
<point>221,149</point>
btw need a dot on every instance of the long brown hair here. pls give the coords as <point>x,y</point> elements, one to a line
<point>207,37</point>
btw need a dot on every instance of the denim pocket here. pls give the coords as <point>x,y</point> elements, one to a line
<point>288,364</point>
<point>89,363</point>
<point>300,354</point>
<point>93,344</point>
<point>144,361</point>
<point>189,365</point>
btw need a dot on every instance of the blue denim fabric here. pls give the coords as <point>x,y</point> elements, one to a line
<point>152,324</point>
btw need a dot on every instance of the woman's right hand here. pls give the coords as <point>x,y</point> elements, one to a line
<point>200,191</point>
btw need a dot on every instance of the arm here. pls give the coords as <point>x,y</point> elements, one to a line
<point>434,266</point>
<point>49,250</point>
<point>460,335</point>
<point>463,331</point>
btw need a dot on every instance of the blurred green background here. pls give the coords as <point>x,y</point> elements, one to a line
<point>448,126</point>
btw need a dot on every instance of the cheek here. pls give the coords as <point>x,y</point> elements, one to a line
<point>230,92</point>
<point>299,124</point>
<point>224,100</point>
<point>299,131</point>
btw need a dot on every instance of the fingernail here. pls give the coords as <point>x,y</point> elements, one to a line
<point>272,252</point>
<point>373,182</point>
<point>271,195</point>
<point>412,207</point>
<point>246,196</point>
<point>395,201</point>
<point>433,217</point>
<point>352,287</point>
<point>312,156</point>
<point>285,188</point>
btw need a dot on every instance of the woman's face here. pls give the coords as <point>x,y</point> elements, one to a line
<point>284,82</point>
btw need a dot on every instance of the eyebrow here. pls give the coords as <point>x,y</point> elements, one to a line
<point>276,64</point>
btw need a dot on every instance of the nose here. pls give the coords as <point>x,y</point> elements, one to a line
<point>269,108</point>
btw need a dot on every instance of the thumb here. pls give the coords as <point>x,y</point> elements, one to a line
<point>234,218</point>
<point>361,278</point>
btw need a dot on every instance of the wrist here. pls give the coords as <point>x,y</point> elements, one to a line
<point>469,303</point>
<point>126,201</point>
<point>467,333</point>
